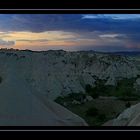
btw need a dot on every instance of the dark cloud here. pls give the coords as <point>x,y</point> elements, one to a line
<point>67,22</point>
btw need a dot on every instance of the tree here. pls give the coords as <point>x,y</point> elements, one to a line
<point>128,104</point>
<point>88,88</point>
<point>92,112</point>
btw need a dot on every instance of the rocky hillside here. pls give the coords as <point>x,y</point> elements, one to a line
<point>30,81</point>
<point>21,105</point>
<point>55,73</point>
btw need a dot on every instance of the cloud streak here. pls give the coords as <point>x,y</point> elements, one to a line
<point>6,43</point>
<point>112,16</point>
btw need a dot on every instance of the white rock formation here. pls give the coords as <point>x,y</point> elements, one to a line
<point>76,102</point>
<point>137,85</point>
<point>55,73</point>
<point>89,98</point>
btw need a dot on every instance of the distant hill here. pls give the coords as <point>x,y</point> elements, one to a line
<point>127,53</point>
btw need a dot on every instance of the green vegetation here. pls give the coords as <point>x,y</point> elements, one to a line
<point>98,111</point>
<point>92,112</point>
<point>70,97</point>
<point>102,118</point>
<point>88,88</point>
<point>124,89</point>
<point>128,104</point>
<point>97,90</point>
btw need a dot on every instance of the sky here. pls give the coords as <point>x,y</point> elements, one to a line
<point>70,32</point>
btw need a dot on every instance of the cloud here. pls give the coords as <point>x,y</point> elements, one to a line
<point>118,36</point>
<point>112,16</point>
<point>32,40</point>
<point>6,43</point>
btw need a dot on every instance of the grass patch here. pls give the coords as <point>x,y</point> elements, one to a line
<point>97,112</point>
<point>92,112</point>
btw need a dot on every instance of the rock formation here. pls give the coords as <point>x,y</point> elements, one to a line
<point>56,73</point>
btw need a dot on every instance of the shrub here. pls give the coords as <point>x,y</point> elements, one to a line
<point>102,117</point>
<point>59,100</point>
<point>125,87</point>
<point>128,104</point>
<point>68,75</point>
<point>0,79</point>
<point>92,91</point>
<point>128,98</point>
<point>88,88</point>
<point>92,112</point>
<point>94,94</point>
<point>77,96</point>
<point>63,61</point>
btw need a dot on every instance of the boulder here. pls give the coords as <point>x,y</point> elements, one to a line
<point>76,102</point>
<point>89,98</point>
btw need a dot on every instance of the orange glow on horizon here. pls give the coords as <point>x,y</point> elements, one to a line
<point>56,39</point>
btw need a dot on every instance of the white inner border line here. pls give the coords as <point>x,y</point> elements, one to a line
<point>70,9</point>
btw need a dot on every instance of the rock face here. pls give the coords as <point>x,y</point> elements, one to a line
<point>130,117</point>
<point>55,73</point>
<point>21,106</point>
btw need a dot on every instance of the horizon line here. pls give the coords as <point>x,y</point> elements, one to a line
<point>68,50</point>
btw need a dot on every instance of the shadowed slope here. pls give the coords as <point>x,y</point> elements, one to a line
<point>18,106</point>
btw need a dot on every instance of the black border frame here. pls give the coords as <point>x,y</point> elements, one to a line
<point>70,11</point>
<point>68,4</point>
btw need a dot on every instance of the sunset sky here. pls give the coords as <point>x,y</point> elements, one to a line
<point>99,32</point>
